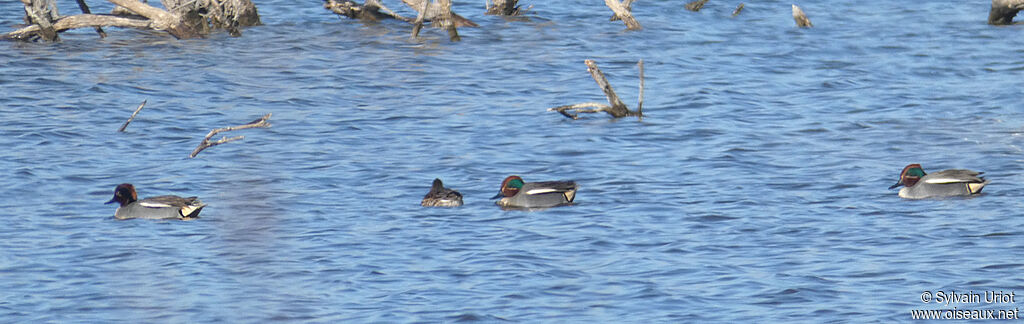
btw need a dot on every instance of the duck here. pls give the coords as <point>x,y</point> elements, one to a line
<point>1003,11</point>
<point>439,196</point>
<point>159,207</point>
<point>516,193</point>
<point>946,183</point>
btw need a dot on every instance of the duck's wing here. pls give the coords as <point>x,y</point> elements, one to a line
<point>537,188</point>
<point>953,176</point>
<point>170,201</point>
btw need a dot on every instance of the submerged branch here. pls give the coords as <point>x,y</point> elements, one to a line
<point>143,104</point>
<point>259,123</point>
<point>615,106</point>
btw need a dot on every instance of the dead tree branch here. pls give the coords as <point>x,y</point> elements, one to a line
<point>436,13</point>
<point>85,9</point>
<point>161,19</point>
<point>615,106</point>
<point>42,13</point>
<point>801,18</point>
<point>629,6</point>
<point>182,19</point>
<point>696,5</point>
<point>506,8</point>
<point>143,104</point>
<point>371,11</point>
<point>259,123</point>
<point>419,20</point>
<point>738,9</point>
<point>446,20</point>
<point>80,21</point>
<point>624,14</point>
<point>640,95</point>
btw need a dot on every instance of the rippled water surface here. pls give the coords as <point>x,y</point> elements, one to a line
<point>753,190</point>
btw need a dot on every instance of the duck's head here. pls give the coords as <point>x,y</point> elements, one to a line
<point>124,194</point>
<point>910,175</point>
<point>510,187</point>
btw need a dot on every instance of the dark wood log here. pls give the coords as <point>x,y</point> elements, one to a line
<point>801,18</point>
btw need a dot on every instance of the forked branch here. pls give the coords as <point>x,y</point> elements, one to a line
<point>615,107</point>
<point>259,123</point>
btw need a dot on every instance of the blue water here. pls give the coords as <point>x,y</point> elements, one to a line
<point>753,190</point>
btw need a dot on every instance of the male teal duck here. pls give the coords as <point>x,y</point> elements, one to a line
<point>159,207</point>
<point>439,196</point>
<point>946,183</point>
<point>518,194</point>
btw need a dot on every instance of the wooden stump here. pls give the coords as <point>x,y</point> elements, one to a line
<point>187,19</point>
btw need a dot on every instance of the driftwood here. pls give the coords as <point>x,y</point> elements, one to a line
<point>42,14</point>
<point>143,104</point>
<point>85,9</point>
<point>184,19</point>
<point>696,5</point>
<point>372,10</point>
<point>259,123</point>
<point>615,107</point>
<point>1003,11</point>
<point>506,8</point>
<point>629,7</point>
<point>738,9</point>
<point>438,13</point>
<point>624,14</point>
<point>446,20</point>
<point>801,18</point>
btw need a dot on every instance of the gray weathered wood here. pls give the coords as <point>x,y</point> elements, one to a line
<point>42,13</point>
<point>628,4</point>
<point>259,123</point>
<point>81,21</point>
<point>143,104</point>
<point>801,18</point>
<point>435,12</point>
<point>696,5</point>
<point>615,107</point>
<point>1003,11</point>
<point>624,14</point>
<point>505,8</point>
<point>640,95</point>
